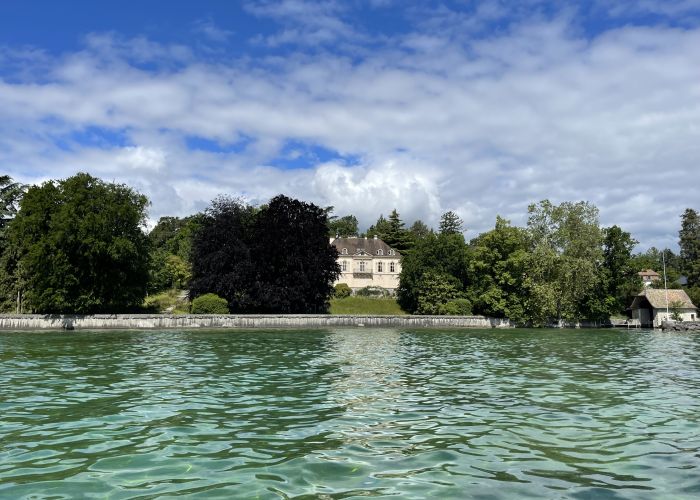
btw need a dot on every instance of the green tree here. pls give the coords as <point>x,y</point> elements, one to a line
<point>380,229</point>
<point>567,259</point>
<point>445,254</point>
<point>343,227</point>
<point>398,236</point>
<point>654,259</point>
<point>497,265</point>
<point>171,249</point>
<point>451,223</point>
<point>10,195</point>
<point>419,229</point>
<point>689,243</point>
<point>435,291</point>
<point>78,247</point>
<point>621,279</point>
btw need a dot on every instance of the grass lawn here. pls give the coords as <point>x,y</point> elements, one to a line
<point>168,301</point>
<point>365,305</point>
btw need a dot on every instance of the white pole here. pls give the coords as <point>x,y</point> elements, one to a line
<point>663,257</point>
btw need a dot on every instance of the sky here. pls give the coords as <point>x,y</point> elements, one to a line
<point>479,107</point>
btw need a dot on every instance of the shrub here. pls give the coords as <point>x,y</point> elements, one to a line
<point>372,291</point>
<point>342,290</point>
<point>457,307</point>
<point>209,303</point>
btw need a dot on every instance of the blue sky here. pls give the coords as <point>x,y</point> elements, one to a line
<point>481,107</point>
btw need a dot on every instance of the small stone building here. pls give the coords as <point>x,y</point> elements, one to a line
<point>649,307</point>
<point>367,262</point>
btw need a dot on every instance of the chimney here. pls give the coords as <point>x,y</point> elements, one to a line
<point>375,236</point>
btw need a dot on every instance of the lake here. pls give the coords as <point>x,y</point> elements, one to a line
<point>350,413</point>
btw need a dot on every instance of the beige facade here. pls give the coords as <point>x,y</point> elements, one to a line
<point>367,262</point>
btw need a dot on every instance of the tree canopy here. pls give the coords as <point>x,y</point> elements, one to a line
<point>10,195</point>
<point>450,223</point>
<point>689,243</point>
<point>343,227</point>
<point>78,246</point>
<point>276,259</point>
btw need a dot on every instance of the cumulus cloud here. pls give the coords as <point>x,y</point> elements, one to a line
<point>480,125</point>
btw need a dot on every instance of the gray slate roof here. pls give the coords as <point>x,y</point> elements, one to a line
<point>369,245</point>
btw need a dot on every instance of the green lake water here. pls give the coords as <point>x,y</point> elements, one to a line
<point>350,413</point>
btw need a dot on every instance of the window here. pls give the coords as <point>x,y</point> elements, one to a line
<point>345,265</point>
<point>391,251</point>
<point>344,251</point>
<point>379,267</point>
<point>380,252</point>
<point>392,267</point>
<point>362,266</point>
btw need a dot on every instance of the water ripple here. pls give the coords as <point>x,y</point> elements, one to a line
<point>350,413</point>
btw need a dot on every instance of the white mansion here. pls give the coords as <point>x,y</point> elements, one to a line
<point>367,262</point>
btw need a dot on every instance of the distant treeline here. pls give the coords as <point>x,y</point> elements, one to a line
<point>79,245</point>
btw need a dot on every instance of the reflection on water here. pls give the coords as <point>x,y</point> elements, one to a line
<point>336,414</point>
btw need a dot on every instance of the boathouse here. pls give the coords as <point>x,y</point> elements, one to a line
<point>650,307</point>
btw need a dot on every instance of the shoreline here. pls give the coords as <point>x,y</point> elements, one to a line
<point>235,321</point>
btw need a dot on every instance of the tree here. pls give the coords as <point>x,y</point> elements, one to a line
<point>392,232</point>
<point>380,229</point>
<point>276,259</point>
<point>419,230</point>
<point>436,290</point>
<point>621,279</point>
<point>222,254</point>
<point>654,259</point>
<point>567,259</point>
<point>398,236</point>
<point>296,264</point>
<point>78,247</point>
<point>170,255</point>
<point>689,243</point>
<point>343,227</point>
<point>497,265</point>
<point>445,254</point>
<point>451,223</point>
<point>10,196</point>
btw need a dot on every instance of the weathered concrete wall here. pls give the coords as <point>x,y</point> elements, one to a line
<point>685,326</point>
<point>162,321</point>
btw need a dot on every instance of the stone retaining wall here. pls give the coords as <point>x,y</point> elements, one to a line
<point>685,326</point>
<point>163,321</point>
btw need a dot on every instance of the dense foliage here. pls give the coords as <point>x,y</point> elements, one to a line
<point>209,303</point>
<point>444,254</point>
<point>343,227</point>
<point>342,290</point>
<point>276,259</point>
<point>77,246</point>
<point>170,255</point>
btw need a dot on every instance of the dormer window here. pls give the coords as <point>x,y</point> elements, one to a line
<point>344,251</point>
<point>380,252</point>
<point>391,251</point>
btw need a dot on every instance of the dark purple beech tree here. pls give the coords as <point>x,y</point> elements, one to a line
<point>273,259</point>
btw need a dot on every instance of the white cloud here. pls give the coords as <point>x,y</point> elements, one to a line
<point>482,128</point>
